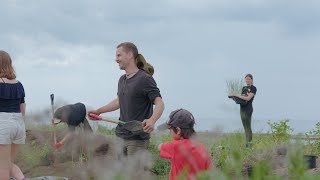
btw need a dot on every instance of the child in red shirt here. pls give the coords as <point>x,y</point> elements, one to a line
<point>188,157</point>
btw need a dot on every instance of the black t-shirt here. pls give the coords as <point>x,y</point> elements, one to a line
<point>245,92</point>
<point>136,97</point>
<point>72,114</point>
<point>11,96</point>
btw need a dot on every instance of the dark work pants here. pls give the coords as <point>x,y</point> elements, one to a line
<point>131,147</point>
<point>246,114</point>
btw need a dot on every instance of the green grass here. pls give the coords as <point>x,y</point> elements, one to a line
<point>33,155</point>
<point>106,131</point>
<point>45,127</point>
<point>234,86</point>
<point>231,157</point>
<point>228,151</point>
<point>161,167</point>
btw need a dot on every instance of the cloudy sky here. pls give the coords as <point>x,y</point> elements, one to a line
<point>68,48</point>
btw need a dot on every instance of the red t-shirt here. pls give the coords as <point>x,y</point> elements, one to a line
<point>187,156</point>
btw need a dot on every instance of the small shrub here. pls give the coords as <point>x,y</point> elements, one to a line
<point>280,131</point>
<point>312,144</point>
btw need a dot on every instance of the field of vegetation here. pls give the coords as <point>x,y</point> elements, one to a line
<point>278,154</point>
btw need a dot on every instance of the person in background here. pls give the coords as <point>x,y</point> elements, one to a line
<point>188,156</point>
<point>246,110</point>
<point>12,111</point>
<point>73,115</point>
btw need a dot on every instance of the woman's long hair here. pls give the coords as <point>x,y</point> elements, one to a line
<point>6,69</point>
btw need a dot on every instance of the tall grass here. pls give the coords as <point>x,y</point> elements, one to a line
<point>234,86</point>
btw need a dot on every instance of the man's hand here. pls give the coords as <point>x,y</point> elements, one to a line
<point>96,112</point>
<point>94,117</point>
<point>57,145</point>
<point>148,125</point>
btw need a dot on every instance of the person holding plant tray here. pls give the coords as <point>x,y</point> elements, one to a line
<point>246,109</point>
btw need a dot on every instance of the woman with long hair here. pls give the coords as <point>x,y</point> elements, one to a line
<point>12,110</point>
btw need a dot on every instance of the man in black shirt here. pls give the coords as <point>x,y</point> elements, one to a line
<point>137,93</point>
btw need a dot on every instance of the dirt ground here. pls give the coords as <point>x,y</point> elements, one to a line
<point>86,156</point>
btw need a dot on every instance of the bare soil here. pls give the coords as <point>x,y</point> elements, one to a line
<point>85,156</point>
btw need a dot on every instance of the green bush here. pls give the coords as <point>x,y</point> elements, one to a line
<point>280,131</point>
<point>313,144</point>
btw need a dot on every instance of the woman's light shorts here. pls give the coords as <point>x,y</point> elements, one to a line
<point>12,128</point>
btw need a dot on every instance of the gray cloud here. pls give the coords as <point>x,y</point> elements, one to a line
<point>68,48</point>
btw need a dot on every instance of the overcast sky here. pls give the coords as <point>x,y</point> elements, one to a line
<point>68,48</point>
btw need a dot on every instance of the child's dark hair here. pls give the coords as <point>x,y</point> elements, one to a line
<point>185,133</point>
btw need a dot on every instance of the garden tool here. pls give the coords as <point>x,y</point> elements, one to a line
<point>136,127</point>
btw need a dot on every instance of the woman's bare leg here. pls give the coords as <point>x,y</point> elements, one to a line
<point>15,171</point>
<point>5,161</point>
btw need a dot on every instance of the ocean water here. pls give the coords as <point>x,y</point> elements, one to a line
<point>258,125</point>
<point>222,124</point>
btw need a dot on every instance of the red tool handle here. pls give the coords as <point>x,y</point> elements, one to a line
<point>95,117</point>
